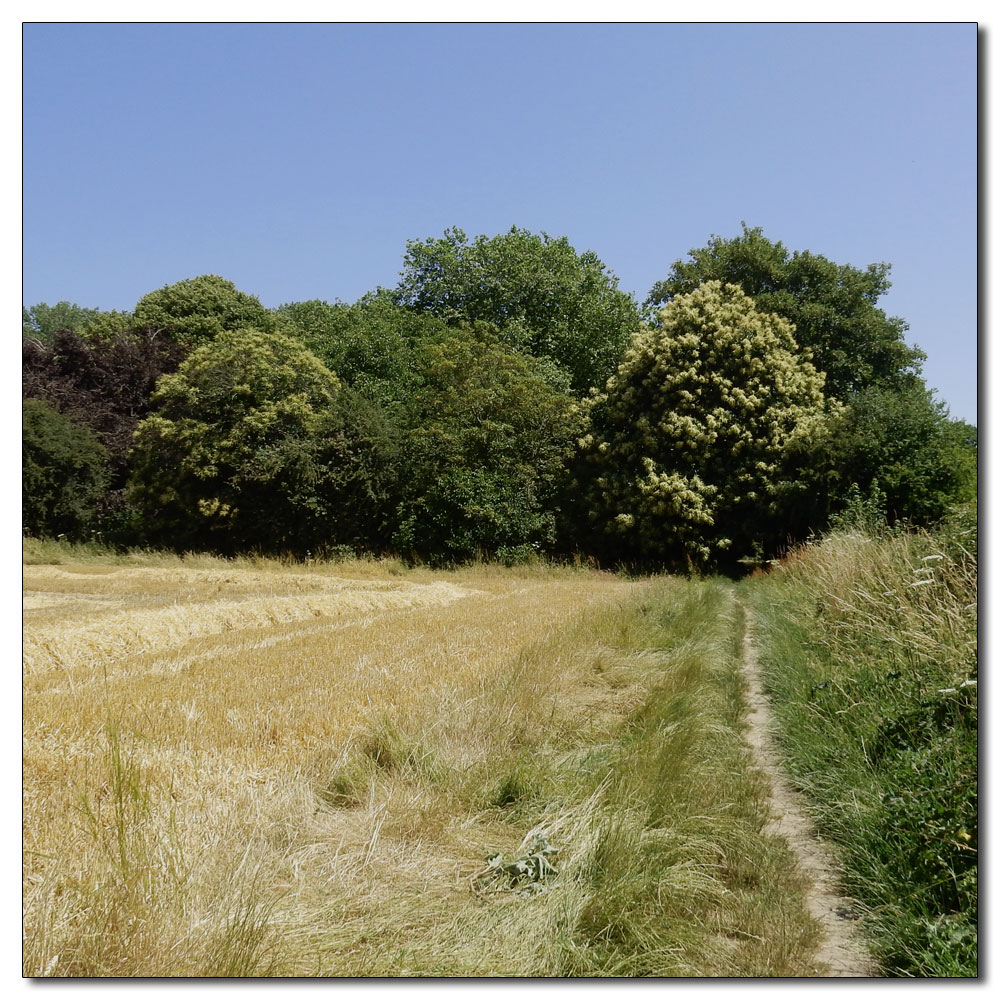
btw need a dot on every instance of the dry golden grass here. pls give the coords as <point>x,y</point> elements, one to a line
<point>256,769</point>
<point>234,694</point>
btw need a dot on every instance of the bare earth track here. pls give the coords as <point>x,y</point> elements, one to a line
<point>841,954</point>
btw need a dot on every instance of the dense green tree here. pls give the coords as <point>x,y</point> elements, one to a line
<point>833,307</point>
<point>488,436</point>
<point>198,309</point>
<point>42,322</point>
<point>372,344</point>
<point>244,448</point>
<point>694,447</point>
<point>902,443</point>
<point>541,295</point>
<point>64,472</point>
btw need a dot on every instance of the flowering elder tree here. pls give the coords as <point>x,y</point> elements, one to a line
<point>696,443</point>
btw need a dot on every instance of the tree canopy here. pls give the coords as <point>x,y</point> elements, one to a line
<point>689,456</point>
<point>541,295</point>
<point>372,344</point>
<point>42,322</point>
<point>505,398</point>
<point>230,455</point>
<point>103,383</point>
<point>64,472</point>
<point>488,434</point>
<point>833,307</point>
<point>197,309</point>
<point>903,444</point>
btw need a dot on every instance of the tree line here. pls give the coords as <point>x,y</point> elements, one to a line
<point>505,398</point>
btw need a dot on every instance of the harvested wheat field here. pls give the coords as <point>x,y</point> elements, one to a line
<point>255,769</point>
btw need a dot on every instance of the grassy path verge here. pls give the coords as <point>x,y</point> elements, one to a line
<point>868,653</point>
<point>841,953</point>
<point>261,793</point>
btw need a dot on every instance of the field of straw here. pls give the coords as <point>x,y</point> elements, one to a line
<point>252,769</point>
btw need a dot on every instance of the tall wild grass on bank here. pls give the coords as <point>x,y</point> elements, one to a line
<point>869,645</point>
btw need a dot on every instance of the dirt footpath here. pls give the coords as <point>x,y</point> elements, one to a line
<point>841,953</point>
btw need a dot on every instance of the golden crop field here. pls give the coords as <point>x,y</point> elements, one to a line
<point>257,769</point>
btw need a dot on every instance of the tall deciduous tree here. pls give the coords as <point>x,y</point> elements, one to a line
<point>372,344</point>
<point>42,322</point>
<point>903,444</point>
<point>104,383</point>
<point>489,432</point>
<point>691,456</point>
<point>244,449</point>
<point>543,296</point>
<point>833,307</point>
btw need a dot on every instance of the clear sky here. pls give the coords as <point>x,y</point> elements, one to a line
<point>297,160</point>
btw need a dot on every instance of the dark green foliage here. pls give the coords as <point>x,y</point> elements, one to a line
<point>42,322</point>
<point>541,295</point>
<point>832,306</point>
<point>64,472</point>
<point>372,345</point>
<point>487,436</point>
<point>198,309</point>
<point>450,441</point>
<point>923,462</point>
<point>357,450</point>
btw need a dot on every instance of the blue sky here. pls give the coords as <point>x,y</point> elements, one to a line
<point>297,160</point>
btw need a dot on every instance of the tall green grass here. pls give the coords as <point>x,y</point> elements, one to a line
<point>868,643</point>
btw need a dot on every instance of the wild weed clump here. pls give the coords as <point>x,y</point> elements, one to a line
<point>870,650</point>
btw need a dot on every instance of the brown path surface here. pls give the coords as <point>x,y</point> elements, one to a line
<point>841,953</point>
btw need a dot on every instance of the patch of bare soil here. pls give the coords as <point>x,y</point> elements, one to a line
<point>841,954</point>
